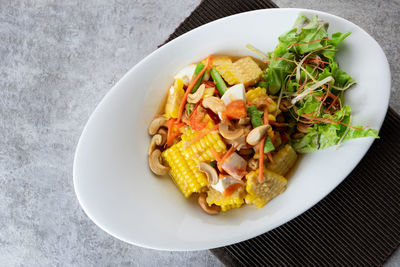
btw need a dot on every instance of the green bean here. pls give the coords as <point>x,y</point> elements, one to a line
<point>197,70</point>
<point>219,82</point>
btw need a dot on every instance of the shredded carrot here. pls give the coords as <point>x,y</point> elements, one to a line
<point>318,60</point>
<point>273,138</point>
<point>171,135</point>
<point>307,116</point>
<point>324,39</point>
<point>261,160</point>
<point>191,85</point>
<point>231,189</point>
<point>270,157</point>
<point>278,124</point>
<point>291,75</point>
<point>203,133</point>
<point>333,102</point>
<point>265,119</point>
<point>215,154</point>
<point>208,84</point>
<point>227,154</point>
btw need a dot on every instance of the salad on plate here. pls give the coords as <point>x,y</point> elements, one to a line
<point>231,128</point>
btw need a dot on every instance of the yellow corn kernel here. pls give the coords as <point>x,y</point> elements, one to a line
<point>244,70</point>
<point>260,94</point>
<point>260,194</point>
<point>228,72</point>
<point>200,151</point>
<point>233,201</point>
<point>184,172</point>
<point>271,117</point>
<point>284,160</point>
<point>175,95</point>
<point>209,91</point>
<point>247,70</point>
<point>185,156</point>
<point>253,94</point>
<point>216,61</point>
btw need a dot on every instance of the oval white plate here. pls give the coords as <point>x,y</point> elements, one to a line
<point>120,194</point>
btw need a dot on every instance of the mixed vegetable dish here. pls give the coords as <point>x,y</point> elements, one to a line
<point>232,128</point>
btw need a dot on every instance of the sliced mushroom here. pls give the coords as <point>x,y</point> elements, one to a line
<point>213,209</point>
<point>214,103</point>
<point>210,172</point>
<point>157,122</point>
<point>230,134</point>
<point>244,121</point>
<point>255,136</point>
<point>196,97</point>
<point>156,140</point>
<point>155,163</point>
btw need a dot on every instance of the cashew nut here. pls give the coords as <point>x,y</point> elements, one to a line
<point>238,142</point>
<point>196,97</point>
<point>214,103</point>
<point>230,134</point>
<point>210,172</point>
<point>155,163</point>
<point>213,209</point>
<point>156,123</point>
<point>252,164</point>
<point>163,132</point>
<point>156,140</point>
<point>255,136</point>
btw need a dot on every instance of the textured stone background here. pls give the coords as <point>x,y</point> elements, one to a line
<point>58,59</point>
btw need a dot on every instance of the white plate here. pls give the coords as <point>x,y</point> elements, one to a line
<point>120,194</point>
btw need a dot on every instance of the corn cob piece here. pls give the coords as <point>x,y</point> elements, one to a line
<point>260,94</point>
<point>219,60</point>
<point>284,160</point>
<point>233,201</point>
<point>244,70</point>
<point>175,95</point>
<point>247,70</point>
<point>228,72</point>
<point>260,194</point>
<point>184,172</point>
<point>184,157</point>
<point>200,151</point>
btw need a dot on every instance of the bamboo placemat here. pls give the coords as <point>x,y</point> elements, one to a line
<point>358,224</point>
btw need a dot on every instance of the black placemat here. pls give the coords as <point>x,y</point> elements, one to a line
<point>358,224</point>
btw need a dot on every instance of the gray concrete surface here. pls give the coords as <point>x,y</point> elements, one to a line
<point>58,59</point>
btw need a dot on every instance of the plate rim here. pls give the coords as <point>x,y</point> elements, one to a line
<point>260,231</point>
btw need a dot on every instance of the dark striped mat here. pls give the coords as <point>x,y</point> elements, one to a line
<point>358,224</point>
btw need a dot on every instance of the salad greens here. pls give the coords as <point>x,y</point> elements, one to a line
<point>255,116</point>
<point>303,71</point>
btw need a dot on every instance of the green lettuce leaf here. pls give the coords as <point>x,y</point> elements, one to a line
<point>255,116</point>
<point>323,135</point>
